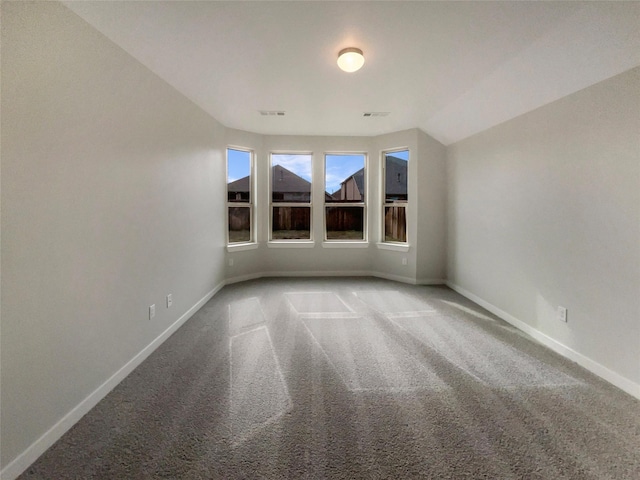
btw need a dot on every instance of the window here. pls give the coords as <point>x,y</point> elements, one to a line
<point>394,209</point>
<point>290,196</point>
<point>344,198</point>
<point>240,195</point>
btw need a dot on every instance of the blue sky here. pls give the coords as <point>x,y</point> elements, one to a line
<point>298,164</point>
<point>340,167</point>
<point>404,154</point>
<point>239,164</point>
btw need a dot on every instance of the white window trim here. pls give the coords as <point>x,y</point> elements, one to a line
<point>384,245</point>
<point>397,247</point>
<point>241,247</point>
<point>294,242</point>
<point>345,244</point>
<point>252,243</point>
<point>356,243</point>
<point>291,243</point>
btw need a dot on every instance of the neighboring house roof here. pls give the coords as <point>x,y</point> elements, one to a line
<point>284,181</point>
<point>358,177</point>
<point>396,176</point>
<point>240,185</point>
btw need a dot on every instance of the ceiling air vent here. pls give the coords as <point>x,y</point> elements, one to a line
<point>271,113</point>
<point>375,114</point>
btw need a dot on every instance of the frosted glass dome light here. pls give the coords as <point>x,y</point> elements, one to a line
<point>350,59</point>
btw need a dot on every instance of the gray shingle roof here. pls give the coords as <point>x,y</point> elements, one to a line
<point>284,180</point>
<point>396,176</point>
<point>240,185</point>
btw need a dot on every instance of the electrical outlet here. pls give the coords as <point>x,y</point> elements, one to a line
<point>562,314</point>
<point>231,262</point>
<point>404,260</point>
<point>169,300</point>
<point>152,311</point>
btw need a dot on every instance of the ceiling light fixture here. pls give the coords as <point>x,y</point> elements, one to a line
<point>350,59</point>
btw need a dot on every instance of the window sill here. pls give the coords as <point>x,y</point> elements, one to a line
<point>339,244</point>
<point>239,247</point>
<point>291,244</point>
<point>392,246</point>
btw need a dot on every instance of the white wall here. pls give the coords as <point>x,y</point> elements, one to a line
<point>317,259</point>
<point>248,263</point>
<point>269,261</point>
<point>112,197</point>
<point>544,210</point>
<point>426,168</point>
<point>431,257</point>
<point>388,261</point>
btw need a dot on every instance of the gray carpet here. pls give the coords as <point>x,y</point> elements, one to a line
<point>351,378</point>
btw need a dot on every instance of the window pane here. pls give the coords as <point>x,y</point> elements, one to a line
<point>238,176</point>
<point>345,223</point>
<point>395,188</point>
<point>291,178</point>
<point>291,223</point>
<point>239,224</point>
<point>395,224</point>
<point>344,178</point>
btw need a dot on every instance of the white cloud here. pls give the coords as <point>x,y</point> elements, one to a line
<point>298,164</point>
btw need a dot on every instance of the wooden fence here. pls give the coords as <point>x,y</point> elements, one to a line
<point>342,219</point>
<point>338,219</point>
<point>395,224</point>
<point>239,218</point>
<point>291,218</point>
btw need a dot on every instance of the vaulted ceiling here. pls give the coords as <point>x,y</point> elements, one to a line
<point>451,69</point>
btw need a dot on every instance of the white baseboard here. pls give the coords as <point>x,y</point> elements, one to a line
<point>431,281</point>
<point>395,278</point>
<point>603,372</point>
<point>348,273</point>
<point>355,273</point>
<point>37,448</point>
<point>253,276</point>
<point>243,278</point>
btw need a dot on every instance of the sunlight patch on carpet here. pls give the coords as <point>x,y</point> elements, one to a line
<point>366,358</point>
<point>245,315</point>
<point>392,302</point>
<point>316,302</point>
<point>481,355</point>
<point>259,395</point>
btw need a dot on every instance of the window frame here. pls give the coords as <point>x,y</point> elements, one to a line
<point>290,242</point>
<point>252,243</point>
<point>328,243</point>
<point>384,243</point>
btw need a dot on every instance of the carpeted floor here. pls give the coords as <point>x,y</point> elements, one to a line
<point>356,379</point>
